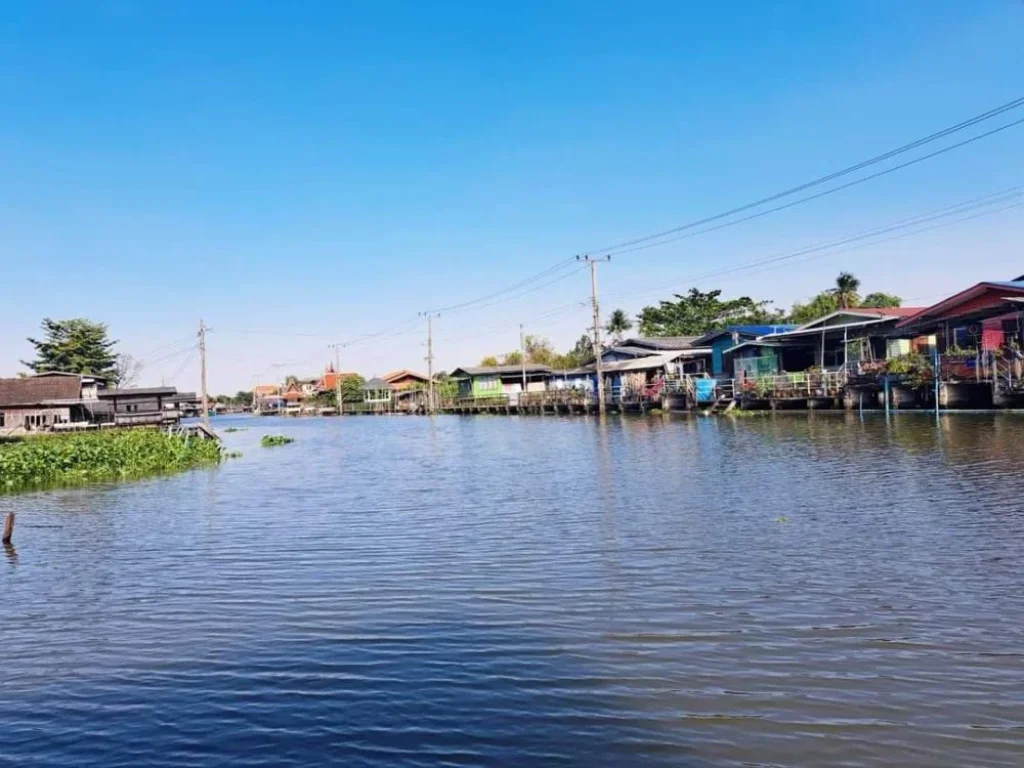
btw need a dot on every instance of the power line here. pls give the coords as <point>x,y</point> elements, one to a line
<point>817,195</point>
<point>522,283</point>
<point>178,371</point>
<point>954,210</point>
<point>529,284</point>
<point>835,175</point>
<point>170,355</point>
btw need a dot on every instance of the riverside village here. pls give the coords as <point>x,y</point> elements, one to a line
<point>493,384</point>
<point>964,352</point>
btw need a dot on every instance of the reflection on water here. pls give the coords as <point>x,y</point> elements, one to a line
<point>787,589</point>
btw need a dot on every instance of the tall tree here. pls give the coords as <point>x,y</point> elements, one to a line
<point>489,360</point>
<point>697,313</point>
<point>73,346</point>
<point>618,324</point>
<point>846,290</point>
<point>879,299</point>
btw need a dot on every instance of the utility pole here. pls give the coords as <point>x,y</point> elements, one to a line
<point>431,401</point>
<point>337,379</point>
<point>522,354</point>
<point>202,372</point>
<point>597,327</point>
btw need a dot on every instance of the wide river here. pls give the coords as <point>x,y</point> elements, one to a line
<point>789,590</point>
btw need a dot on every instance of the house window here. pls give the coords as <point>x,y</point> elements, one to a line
<point>2,414</point>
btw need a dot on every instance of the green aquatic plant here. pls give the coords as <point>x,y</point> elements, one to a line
<point>269,441</point>
<point>235,429</point>
<point>74,459</point>
<point>233,454</point>
<point>764,386</point>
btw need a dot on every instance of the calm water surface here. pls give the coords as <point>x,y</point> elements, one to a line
<point>778,591</point>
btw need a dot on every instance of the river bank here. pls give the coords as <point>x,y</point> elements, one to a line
<point>44,461</point>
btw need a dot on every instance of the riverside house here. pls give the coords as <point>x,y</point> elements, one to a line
<point>36,403</point>
<point>979,338</point>
<point>829,343</point>
<point>720,340</point>
<point>145,406</point>
<point>490,381</point>
<point>58,401</point>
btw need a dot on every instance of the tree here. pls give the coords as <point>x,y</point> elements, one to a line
<point>539,350</point>
<point>350,389</point>
<point>582,351</point>
<point>126,370</point>
<point>846,290</point>
<point>241,397</point>
<point>74,346</point>
<point>697,313</point>
<point>618,324</point>
<point>445,387</point>
<point>825,303</point>
<point>512,358</point>
<point>489,360</point>
<point>879,299</point>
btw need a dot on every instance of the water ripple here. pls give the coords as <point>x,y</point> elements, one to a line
<point>794,590</point>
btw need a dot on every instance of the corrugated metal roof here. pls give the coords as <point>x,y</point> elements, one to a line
<point>403,373</point>
<point>644,363</point>
<point>494,370</point>
<point>662,342</point>
<point>837,328</point>
<point>1016,284</point>
<point>923,314</point>
<point>375,385</point>
<point>628,349</point>
<point>36,389</point>
<point>138,392</point>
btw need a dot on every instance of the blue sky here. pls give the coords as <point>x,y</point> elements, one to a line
<point>299,173</point>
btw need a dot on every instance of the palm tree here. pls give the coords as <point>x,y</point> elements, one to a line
<point>846,290</point>
<point>618,324</point>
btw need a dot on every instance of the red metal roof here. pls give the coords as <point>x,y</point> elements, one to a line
<point>946,306</point>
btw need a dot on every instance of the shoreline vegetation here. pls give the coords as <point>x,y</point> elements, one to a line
<point>47,461</point>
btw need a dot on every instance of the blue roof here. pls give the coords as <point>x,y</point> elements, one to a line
<point>745,330</point>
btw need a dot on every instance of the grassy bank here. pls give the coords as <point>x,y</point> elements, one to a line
<point>55,460</point>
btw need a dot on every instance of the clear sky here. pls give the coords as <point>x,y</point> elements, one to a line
<point>300,173</point>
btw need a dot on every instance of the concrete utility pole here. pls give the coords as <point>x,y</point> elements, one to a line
<point>202,372</point>
<point>597,327</point>
<point>431,401</point>
<point>522,354</point>
<point>337,378</point>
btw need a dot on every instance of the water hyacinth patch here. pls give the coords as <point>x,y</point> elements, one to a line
<point>269,441</point>
<point>74,459</point>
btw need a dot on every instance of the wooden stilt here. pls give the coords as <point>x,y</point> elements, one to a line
<point>8,528</point>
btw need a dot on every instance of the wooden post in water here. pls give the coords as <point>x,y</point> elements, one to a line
<point>8,528</point>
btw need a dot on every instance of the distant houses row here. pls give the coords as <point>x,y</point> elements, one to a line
<point>57,401</point>
<point>401,390</point>
<point>965,351</point>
